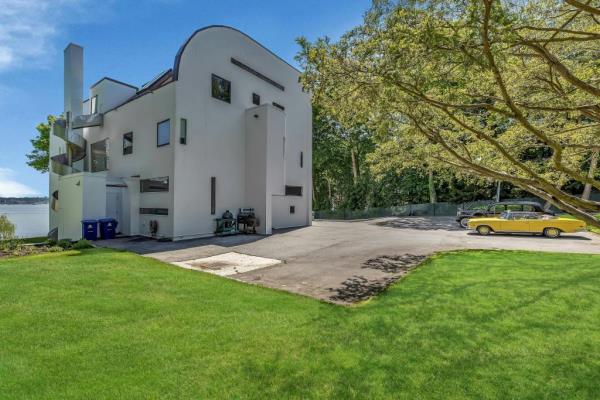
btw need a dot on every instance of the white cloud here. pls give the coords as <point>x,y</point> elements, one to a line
<point>10,187</point>
<point>28,27</point>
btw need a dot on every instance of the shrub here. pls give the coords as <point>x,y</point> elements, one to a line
<point>7,228</point>
<point>65,244</point>
<point>54,249</point>
<point>82,244</point>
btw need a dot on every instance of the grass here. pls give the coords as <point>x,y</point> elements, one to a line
<point>481,324</point>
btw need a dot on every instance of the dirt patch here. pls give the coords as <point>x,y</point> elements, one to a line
<point>359,288</point>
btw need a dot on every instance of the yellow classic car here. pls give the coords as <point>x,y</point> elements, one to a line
<point>526,222</point>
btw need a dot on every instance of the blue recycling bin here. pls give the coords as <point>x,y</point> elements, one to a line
<point>89,229</point>
<point>108,228</point>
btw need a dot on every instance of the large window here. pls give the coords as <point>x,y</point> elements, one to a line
<point>293,190</point>
<point>183,131</point>
<point>163,133</point>
<point>94,104</point>
<point>99,158</point>
<point>221,88</point>
<point>128,143</point>
<point>154,185</point>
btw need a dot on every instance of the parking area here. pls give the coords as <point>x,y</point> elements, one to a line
<point>345,261</point>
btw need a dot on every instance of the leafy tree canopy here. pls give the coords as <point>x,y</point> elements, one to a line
<point>506,90</point>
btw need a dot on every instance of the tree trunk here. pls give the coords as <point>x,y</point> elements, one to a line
<point>498,189</point>
<point>432,193</point>
<point>331,205</point>
<point>587,190</point>
<point>355,170</point>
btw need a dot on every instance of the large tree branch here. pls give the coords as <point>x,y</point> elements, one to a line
<point>584,7</point>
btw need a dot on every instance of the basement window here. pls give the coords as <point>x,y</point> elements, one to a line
<point>154,185</point>
<point>221,88</point>
<point>183,131</point>
<point>128,143</point>
<point>293,190</point>
<point>154,211</point>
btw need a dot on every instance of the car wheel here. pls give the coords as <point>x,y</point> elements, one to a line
<point>552,232</point>
<point>484,230</point>
<point>464,223</point>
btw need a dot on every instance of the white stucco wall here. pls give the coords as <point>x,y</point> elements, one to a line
<point>141,117</point>
<point>216,129</point>
<point>82,196</point>
<point>110,94</point>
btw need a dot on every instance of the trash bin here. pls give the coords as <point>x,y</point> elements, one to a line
<point>108,228</point>
<point>89,229</point>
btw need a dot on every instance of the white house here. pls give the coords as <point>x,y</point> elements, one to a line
<point>228,127</point>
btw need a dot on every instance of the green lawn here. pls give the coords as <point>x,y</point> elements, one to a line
<point>104,324</point>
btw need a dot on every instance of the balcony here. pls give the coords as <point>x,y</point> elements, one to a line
<point>88,120</point>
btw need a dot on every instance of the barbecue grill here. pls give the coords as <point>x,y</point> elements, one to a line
<point>247,218</point>
<point>226,224</point>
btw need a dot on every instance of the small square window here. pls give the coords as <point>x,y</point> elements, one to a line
<point>128,143</point>
<point>183,131</point>
<point>163,133</point>
<point>221,88</point>
<point>255,99</point>
<point>292,209</point>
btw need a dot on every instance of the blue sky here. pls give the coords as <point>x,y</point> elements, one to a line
<point>127,40</point>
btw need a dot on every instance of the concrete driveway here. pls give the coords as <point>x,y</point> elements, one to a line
<point>347,261</point>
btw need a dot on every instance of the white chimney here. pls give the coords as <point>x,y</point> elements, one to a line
<point>73,80</point>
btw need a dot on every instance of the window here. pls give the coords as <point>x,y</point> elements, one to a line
<point>183,131</point>
<point>255,99</point>
<point>154,185</point>
<point>282,108</point>
<point>528,207</point>
<point>163,133</point>
<point>128,143</point>
<point>154,211</point>
<point>213,195</point>
<point>292,209</point>
<point>99,156</point>
<point>221,88</point>
<point>301,159</point>
<point>94,104</point>
<point>293,190</point>
<point>514,207</point>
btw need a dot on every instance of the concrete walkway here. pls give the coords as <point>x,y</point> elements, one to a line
<point>347,261</point>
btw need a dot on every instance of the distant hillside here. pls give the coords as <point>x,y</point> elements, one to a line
<point>23,200</point>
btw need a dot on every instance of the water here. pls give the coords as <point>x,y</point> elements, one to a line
<point>30,220</point>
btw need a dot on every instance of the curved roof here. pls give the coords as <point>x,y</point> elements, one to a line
<point>182,48</point>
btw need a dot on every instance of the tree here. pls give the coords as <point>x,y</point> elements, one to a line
<point>7,228</point>
<point>39,158</point>
<point>509,91</point>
